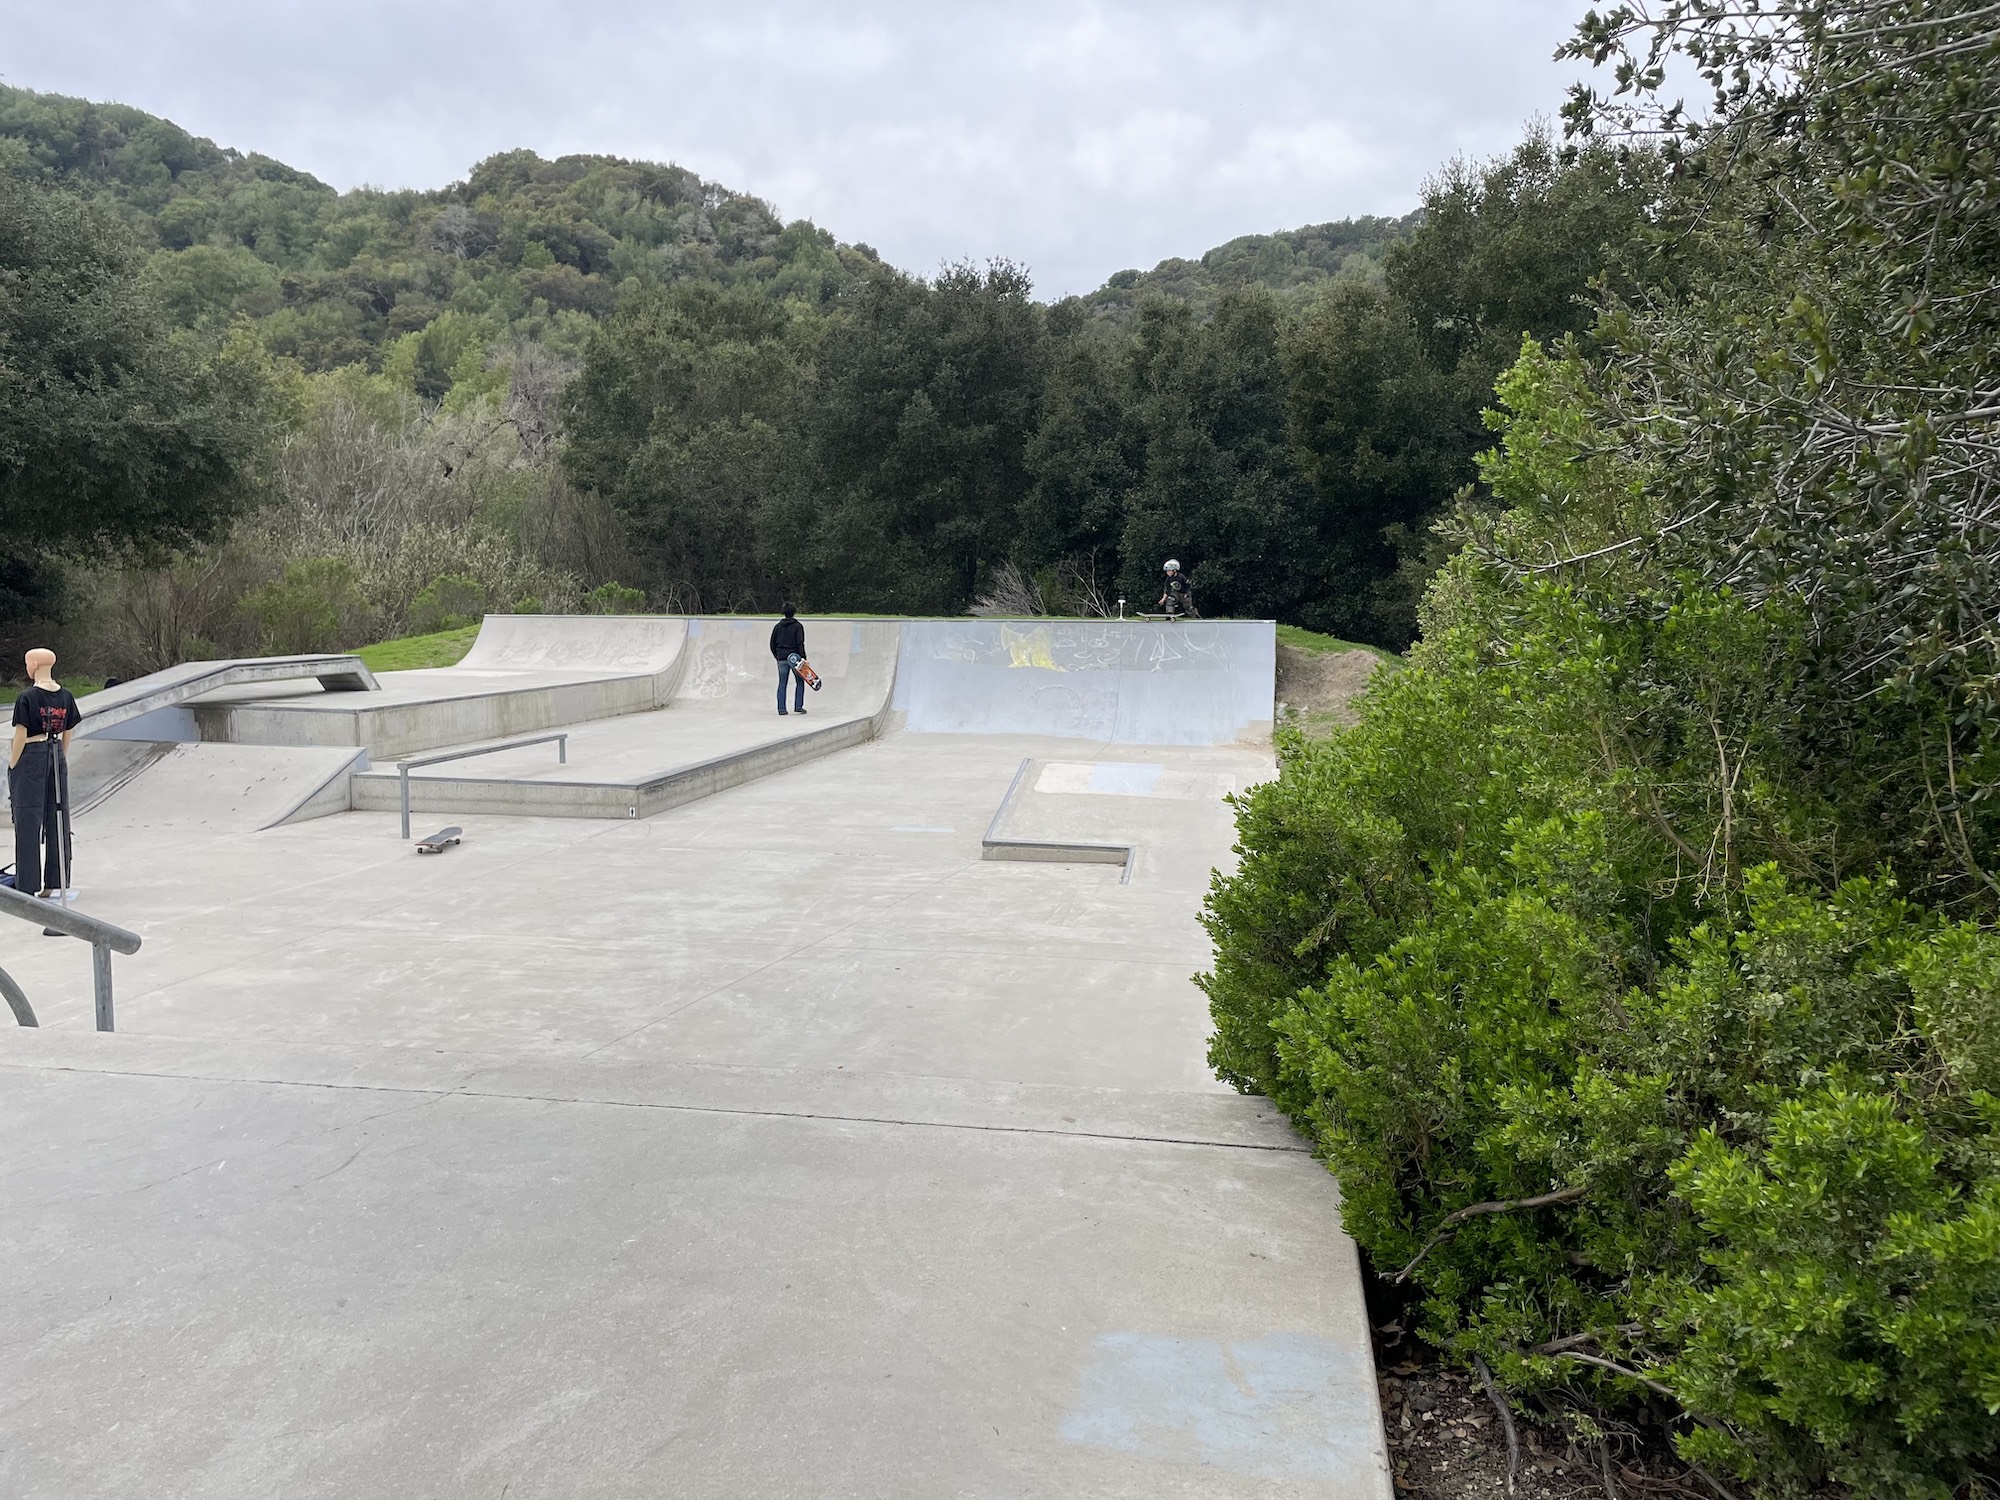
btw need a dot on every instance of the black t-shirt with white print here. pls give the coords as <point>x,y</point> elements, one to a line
<point>42,711</point>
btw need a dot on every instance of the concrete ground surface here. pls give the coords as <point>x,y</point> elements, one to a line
<point>772,1146</point>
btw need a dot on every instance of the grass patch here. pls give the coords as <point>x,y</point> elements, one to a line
<point>1311,640</point>
<point>445,648</point>
<point>78,686</point>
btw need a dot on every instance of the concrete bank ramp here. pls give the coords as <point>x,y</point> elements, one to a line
<point>228,788</point>
<point>720,730</point>
<point>630,645</point>
<point>1124,682</point>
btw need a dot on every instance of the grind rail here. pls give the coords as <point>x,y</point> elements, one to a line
<point>405,767</point>
<point>105,938</point>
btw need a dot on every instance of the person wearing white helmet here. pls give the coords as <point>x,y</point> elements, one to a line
<point>1178,599</point>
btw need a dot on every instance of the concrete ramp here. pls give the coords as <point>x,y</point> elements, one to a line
<point>1122,682</point>
<point>623,644</point>
<point>228,788</point>
<point>524,673</point>
<point>730,672</point>
<point>132,710</point>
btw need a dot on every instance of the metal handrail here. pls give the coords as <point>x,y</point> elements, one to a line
<point>404,769</point>
<point>104,938</point>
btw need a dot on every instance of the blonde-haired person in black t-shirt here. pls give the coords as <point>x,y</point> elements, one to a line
<point>45,715</point>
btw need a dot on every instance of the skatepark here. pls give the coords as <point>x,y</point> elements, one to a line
<point>746,1106</point>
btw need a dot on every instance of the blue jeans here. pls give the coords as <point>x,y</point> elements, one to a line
<point>798,698</point>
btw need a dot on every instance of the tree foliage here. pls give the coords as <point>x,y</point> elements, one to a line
<point>113,430</point>
<point>1632,961</point>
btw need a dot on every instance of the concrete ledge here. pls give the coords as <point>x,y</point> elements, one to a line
<point>339,673</point>
<point>393,729</point>
<point>1050,851</point>
<point>378,791</point>
<point>334,795</point>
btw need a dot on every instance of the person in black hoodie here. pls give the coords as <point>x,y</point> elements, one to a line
<point>788,643</point>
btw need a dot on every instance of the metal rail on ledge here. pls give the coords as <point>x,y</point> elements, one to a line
<point>404,769</point>
<point>105,938</point>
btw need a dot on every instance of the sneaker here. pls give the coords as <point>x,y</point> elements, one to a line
<point>798,710</point>
<point>782,712</point>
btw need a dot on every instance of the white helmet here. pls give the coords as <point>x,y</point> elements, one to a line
<point>1173,565</point>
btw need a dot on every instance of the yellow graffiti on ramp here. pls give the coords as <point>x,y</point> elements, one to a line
<point>1028,648</point>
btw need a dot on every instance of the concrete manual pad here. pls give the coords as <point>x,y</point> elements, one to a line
<point>773,1146</point>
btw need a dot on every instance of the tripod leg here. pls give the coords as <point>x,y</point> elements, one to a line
<point>62,820</point>
<point>57,770</point>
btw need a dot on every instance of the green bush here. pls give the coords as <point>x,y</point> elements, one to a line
<point>614,599</point>
<point>1587,960</point>
<point>450,601</point>
<point>1774,1162</point>
<point>315,605</point>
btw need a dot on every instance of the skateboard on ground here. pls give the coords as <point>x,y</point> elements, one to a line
<point>805,670</point>
<point>440,841</point>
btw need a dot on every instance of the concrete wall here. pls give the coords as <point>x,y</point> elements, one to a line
<point>1128,682</point>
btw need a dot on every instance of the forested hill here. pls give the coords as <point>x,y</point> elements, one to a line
<point>558,378</point>
<point>541,247</point>
<point>1295,261</point>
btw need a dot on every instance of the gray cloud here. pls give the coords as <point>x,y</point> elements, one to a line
<point>1077,139</point>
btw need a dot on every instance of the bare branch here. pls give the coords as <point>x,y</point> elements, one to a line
<point>1459,1216</point>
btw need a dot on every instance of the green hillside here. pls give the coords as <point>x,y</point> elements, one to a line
<point>1288,263</point>
<point>523,247</point>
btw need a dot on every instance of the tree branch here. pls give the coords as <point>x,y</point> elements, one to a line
<point>1617,1369</point>
<point>1499,1206</point>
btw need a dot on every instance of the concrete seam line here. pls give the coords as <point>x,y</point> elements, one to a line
<point>1301,1149</point>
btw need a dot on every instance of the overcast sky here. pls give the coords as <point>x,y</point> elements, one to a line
<point>1077,139</point>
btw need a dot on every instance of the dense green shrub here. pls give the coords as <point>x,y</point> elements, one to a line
<point>1586,960</point>
<point>315,605</point>
<point>614,598</point>
<point>1774,1161</point>
<point>447,602</point>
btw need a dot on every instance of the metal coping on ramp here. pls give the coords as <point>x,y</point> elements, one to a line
<point>1049,851</point>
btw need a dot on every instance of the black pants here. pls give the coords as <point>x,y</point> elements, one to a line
<point>40,863</point>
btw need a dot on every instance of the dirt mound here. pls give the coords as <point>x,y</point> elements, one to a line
<point>1317,689</point>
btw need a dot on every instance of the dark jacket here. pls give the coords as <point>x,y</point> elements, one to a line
<point>787,637</point>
